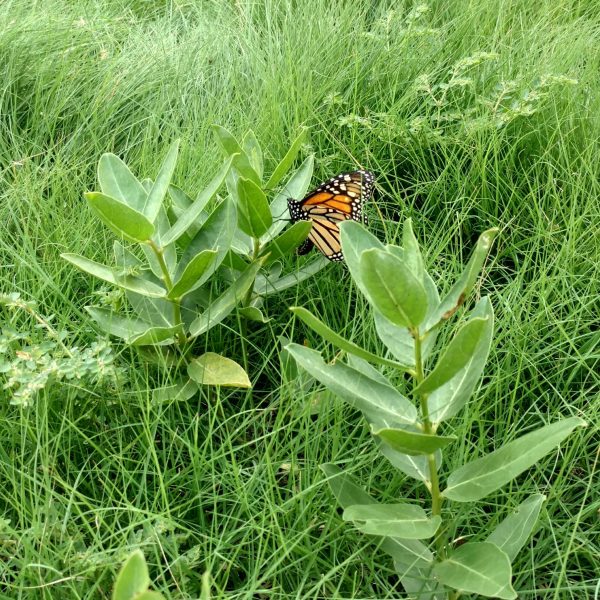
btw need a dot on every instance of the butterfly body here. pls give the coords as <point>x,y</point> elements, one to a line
<point>337,200</point>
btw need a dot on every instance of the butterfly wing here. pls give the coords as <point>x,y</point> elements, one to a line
<point>334,201</point>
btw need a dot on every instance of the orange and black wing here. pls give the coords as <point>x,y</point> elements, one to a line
<point>339,199</point>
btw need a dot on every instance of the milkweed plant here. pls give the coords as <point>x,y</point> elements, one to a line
<point>410,433</point>
<point>183,268</point>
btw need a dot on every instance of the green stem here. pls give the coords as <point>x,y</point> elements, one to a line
<point>246,302</point>
<point>159,252</point>
<point>436,497</point>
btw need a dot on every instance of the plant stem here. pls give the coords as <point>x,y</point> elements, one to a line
<point>246,302</point>
<point>159,252</point>
<point>436,498</point>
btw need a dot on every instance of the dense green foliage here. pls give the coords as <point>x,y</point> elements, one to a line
<point>471,115</point>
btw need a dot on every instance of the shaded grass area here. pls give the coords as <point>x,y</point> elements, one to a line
<point>471,115</point>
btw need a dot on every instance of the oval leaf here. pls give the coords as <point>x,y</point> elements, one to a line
<point>254,214</point>
<point>296,187</point>
<point>268,286</point>
<point>355,241</point>
<point>484,475</point>
<point>380,403</point>
<point>461,351</point>
<point>461,289</point>
<point>123,220</point>
<point>477,568</point>
<point>117,181</point>
<point>154,200</point>
<point>512,533</point>
<point>215,235</point>
<point>191,278</point>
<point>342,343</point>
<point>128,282</point>
<point>289,240</point>
<point>133,331</point>
<point>180,391</point>
<point>254,152</point>
<point>214,369</point>
<point>252,313</point>
<point>412,253</point>
<point>232,147</point>
<point>448,399</point>
<point>133,578</point>
<point>191,212</point>
<point>412,443</point>
<point>415,466</point>
<point>286,162</point>
<point>347,493</point>
<point>225,303</point>
<point>394,291</point>
<point>396,520</point>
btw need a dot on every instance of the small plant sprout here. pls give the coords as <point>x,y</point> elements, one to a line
<point>410,433</point>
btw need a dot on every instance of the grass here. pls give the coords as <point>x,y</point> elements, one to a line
<point>230,483</point>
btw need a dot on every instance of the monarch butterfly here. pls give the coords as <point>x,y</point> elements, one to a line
<point>336,200</point>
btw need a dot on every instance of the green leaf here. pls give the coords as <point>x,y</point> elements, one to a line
<point>461,289</point>
<point>413,466</point>
<point>231,146</point>
<point>120,218</point>
<point>254,153</point>
<point>268,286</point>
<point>379,402</point>
<point>413,442</point>
<point>412,253</point>
<point>514,531</point>
<point>398,339</point>
<point>289,240</point>
<point>459,353</point>
<point>128,282</point>
<point>366,369</point>
<point>133,331</point>
<point>252,313</point>
<point>286,162</point>
<point>191,278</point>
<point>181,391</point>
<point>133,578</point>
<point>355,241</point>
<point>158,312</point>
<point>215,235</point>
<point>394,291</point>
<point>181,201</point>
<point>296,187</point>
<point>477,568</point>
<point>225,303</point>
<point>418,583</point>
<point>347,493</point>
<point>117,181</point>
<point>331,336</point>
<point>214,369</point>
<point>395,520</point>
<point>157,194</point>
<point>484,475</point>
<point>150,595</point>
<point>254,214</point>
<point>448,399</point>
<point>188,218</point>
<point>161,224</point>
